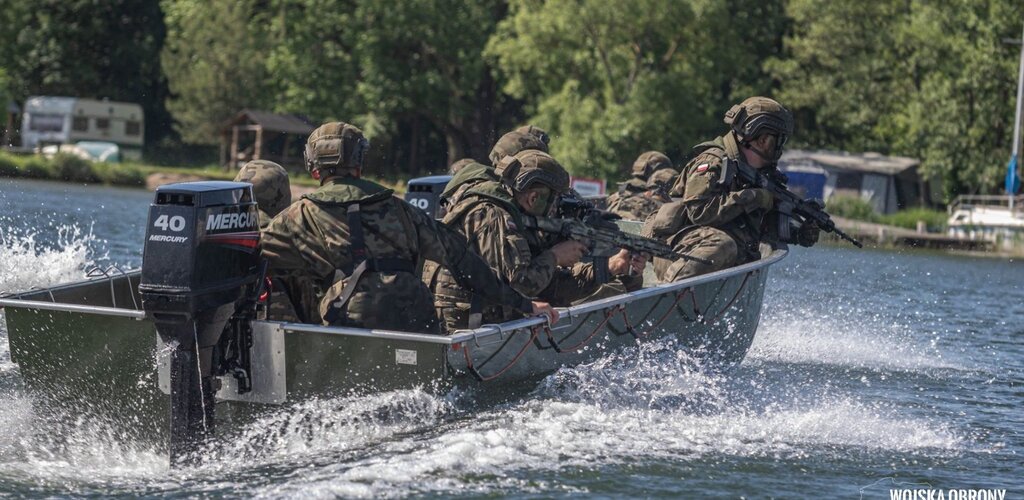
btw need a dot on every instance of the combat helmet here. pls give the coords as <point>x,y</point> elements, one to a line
<point>531,166</point>
<point>334,145</point>
<point>459,165</point>
<point>756,116</point>
<point>649,163</point>
<point>662,179</point>
<point>536,132</point>
<point>270,185</point>
<point>520,139</point>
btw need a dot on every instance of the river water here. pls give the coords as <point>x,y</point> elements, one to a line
<point>871,370</point>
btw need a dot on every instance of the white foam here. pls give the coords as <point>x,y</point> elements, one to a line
<point>801,336</point>
<point>650,403</point>
<point>28,263</point>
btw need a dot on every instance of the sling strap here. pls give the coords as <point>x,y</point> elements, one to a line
<point>362,265</point>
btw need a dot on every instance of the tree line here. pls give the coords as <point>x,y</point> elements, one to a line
<point>432,81</point>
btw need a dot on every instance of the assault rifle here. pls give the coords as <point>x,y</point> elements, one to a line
<point>787,203</point>
<point>603,239</point>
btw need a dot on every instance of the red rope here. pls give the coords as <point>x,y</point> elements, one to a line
<point>732,300</point>
<point>469,359</point>
<point>607,316</point>
<point>671,308</point>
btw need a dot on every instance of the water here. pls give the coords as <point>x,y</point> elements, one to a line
<point>870,369</point>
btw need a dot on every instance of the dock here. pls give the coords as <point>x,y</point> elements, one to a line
<point>873,234</point>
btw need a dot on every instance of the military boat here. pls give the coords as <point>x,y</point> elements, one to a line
<point>165,352</point>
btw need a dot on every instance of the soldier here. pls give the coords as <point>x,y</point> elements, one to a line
<point>270,186</point>
<point>490,214</point>
<point>641,205</point>
<point>718,219</point>
<point>363,248</point>
<point>520,139</point>
<point>645,165</point>
<point>471,174</point>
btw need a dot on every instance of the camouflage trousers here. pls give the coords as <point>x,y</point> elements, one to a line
<point>703,242</point>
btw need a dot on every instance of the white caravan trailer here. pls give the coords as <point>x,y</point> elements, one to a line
<point>68,120</point>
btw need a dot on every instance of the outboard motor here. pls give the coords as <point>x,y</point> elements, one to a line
<point>425,193</point>
<point>200,266</point>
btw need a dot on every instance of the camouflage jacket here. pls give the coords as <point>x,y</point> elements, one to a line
<point>312,241</point>
<point>706,202</point>
<point>626,189</point>
<point>489,217</point>
<point>638,206</point>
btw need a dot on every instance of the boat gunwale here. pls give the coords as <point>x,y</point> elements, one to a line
<point>457,337</point>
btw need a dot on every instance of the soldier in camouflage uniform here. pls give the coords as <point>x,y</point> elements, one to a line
<point>723,221</point>
<point>490,214</point>
<point>641,205</point>
<point>363,248</point>
<point>473,173</point>
<point>645,165</point>
<point>270,186</point>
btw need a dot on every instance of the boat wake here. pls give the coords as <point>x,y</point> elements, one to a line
<point>846,339</point>
<point>649,402</point>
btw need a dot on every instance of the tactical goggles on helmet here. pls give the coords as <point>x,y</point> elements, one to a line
<point>510,170</point>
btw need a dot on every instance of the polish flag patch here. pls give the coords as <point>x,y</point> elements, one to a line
<point>703,167</point>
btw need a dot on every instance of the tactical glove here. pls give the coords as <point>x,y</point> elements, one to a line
<point>807,235</point>
<point>757,199</point>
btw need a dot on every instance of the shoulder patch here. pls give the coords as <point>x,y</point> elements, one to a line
<point>510,224</point>
<point>703,167</point>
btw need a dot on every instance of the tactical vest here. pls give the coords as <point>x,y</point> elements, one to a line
<point>449,293</point>
<point>671,221</point>
<point>354,195</point>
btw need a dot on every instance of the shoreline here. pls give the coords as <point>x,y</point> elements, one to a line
<point>73,170</point>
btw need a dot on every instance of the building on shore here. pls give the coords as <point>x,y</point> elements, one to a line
<point>262,135</point>
<point>888,183</point>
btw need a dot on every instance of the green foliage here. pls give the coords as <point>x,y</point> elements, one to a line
<point>851,207</point>
<point>119,174</point>
<point>435,80</point>
<point>926,79</point>
<point>8,168</point>
<point>72,168</point>
<point>935,220</point>
<point>214,61</point>
<point>38,168</point>
<point>610,80</point>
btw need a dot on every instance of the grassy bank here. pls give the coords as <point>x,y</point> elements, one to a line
<point>858,209</point>
<point>69,168</point>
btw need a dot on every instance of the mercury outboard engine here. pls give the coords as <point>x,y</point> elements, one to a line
<point>200,267</point>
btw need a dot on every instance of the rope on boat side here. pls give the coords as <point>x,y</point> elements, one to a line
<point>619,309</point>
<point>477,375</point>
<point>608,313</point>
<point>739,290</point>
<point>679,297</point>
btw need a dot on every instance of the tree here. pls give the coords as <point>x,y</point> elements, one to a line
<point>421,65</point>
<point>610,80</point>
<point>214,59</point>
<point>926,79</point>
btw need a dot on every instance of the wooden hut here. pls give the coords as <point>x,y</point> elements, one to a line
<point>261,135</point>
